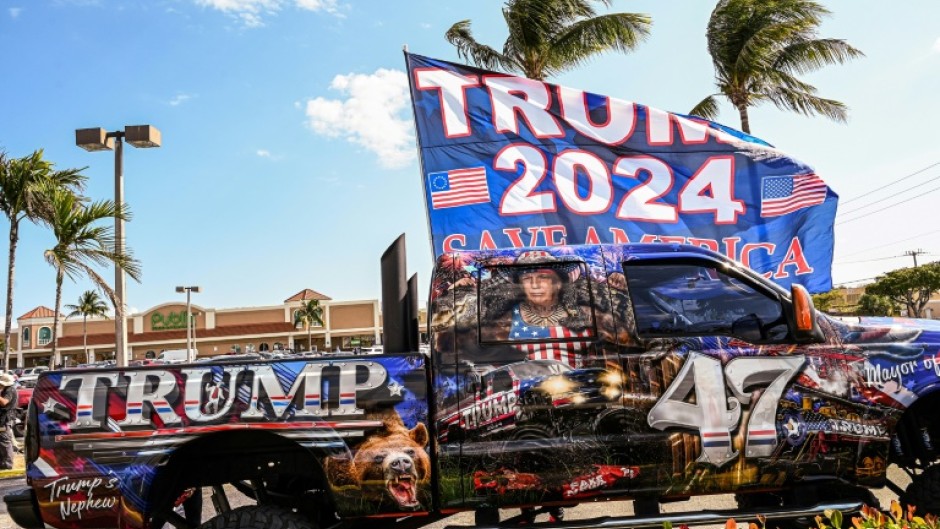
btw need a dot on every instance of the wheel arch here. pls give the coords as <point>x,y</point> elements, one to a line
<point>917,433</point>
<point>225,457</point>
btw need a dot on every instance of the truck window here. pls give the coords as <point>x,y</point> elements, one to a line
<point>537,303</point>
<point>692,299</point>
<point>501,382</point>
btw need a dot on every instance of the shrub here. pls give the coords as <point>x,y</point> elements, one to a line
<point>872,518</point>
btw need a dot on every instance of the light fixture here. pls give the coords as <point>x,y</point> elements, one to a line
<point>98,139</point>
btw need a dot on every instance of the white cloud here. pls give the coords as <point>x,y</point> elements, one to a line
<point>374,113</point>
<point>936,45</point>
<point>15,11</point>
<point>318,5</point>
<point>241,5</point>
<point>251,20</point>
<point>252,12</point>
<point>179,100</point>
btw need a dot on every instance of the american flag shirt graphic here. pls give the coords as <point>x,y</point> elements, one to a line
<point>568,352</point>
<point>785,194</point>
<point>458,187</point>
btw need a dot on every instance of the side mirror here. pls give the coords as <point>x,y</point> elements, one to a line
<point>804,315</point>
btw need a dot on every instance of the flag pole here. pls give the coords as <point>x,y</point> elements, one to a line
<point>421,173</point>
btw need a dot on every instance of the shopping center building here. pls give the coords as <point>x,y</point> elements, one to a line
<point>346,325</point>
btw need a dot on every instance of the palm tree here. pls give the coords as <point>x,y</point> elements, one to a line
<point>308,315</point>
<point>759,47</point>
<point>20,198</point>
<point>89,304</point>
<point>548,37</point>
<point>80,242</point>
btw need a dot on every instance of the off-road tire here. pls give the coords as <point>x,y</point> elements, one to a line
<point>259,517</point>
<point>486,516</point>
<point>924,492</point>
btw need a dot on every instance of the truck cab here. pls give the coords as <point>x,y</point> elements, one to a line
<point>679,373</point>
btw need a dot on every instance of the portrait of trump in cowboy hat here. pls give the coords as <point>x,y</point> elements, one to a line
<point>536,297</point>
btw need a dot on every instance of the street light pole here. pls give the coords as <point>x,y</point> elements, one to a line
<point>190,325</point>
<point>97,139</point>
<point>120,280</point>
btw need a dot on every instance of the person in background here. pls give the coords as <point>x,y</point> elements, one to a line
<point>8,398</point>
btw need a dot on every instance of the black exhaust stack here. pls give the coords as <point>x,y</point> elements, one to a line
<point>399,301</point>
<point>413,313</point>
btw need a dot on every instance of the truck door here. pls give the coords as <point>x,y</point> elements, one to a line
<point>544,418</point>
<point>716,361</point>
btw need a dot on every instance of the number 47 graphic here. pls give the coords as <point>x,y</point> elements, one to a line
<point>714,414</point>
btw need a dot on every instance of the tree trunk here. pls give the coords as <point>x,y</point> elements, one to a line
<point>55,320</point>
<point>14,238</point>
<point>309,340</point>
<point>745,122</point>
<point>119,313</point>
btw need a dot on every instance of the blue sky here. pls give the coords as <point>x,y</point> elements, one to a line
<point>288,157</point>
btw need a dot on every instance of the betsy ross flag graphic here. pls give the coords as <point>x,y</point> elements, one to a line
<point>785,194</point>
<point>458,187</point>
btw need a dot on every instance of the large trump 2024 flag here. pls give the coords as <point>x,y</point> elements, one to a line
<point>514,162</point>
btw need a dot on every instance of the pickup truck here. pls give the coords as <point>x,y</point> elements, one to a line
<point>556,376</point>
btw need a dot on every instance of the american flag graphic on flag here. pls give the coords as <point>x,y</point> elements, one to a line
<point>567,352</point>
<point>785,194</point>
<point>458,187</point>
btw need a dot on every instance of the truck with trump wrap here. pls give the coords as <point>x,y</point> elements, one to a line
<point>649,373</point>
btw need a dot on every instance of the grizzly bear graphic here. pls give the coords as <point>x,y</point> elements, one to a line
<point>388,467</point>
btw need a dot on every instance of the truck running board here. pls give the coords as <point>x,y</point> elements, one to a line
<point>688,518</point>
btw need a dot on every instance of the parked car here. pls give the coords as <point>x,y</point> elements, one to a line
<point>93,365</point>
<point>30,374</point>
<point>175,356</point>
<point>23,395</point>
<point>145,362</point>
<point>230,357</point>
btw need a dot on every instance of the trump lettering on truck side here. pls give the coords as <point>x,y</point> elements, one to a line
<point>161,390</point>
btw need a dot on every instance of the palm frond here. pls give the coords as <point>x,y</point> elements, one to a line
<point>469,49</point>
<point>100,283</point>
<point>809,56</point>
<point>308,314</point>
<point>780,78</point>
<point>706,108</point>
<point>82,239</point>
<point>89,304</point>
<point>757,47</point>
<point>582,40</point>
<point>547,37</point>
<point>808,104</point>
